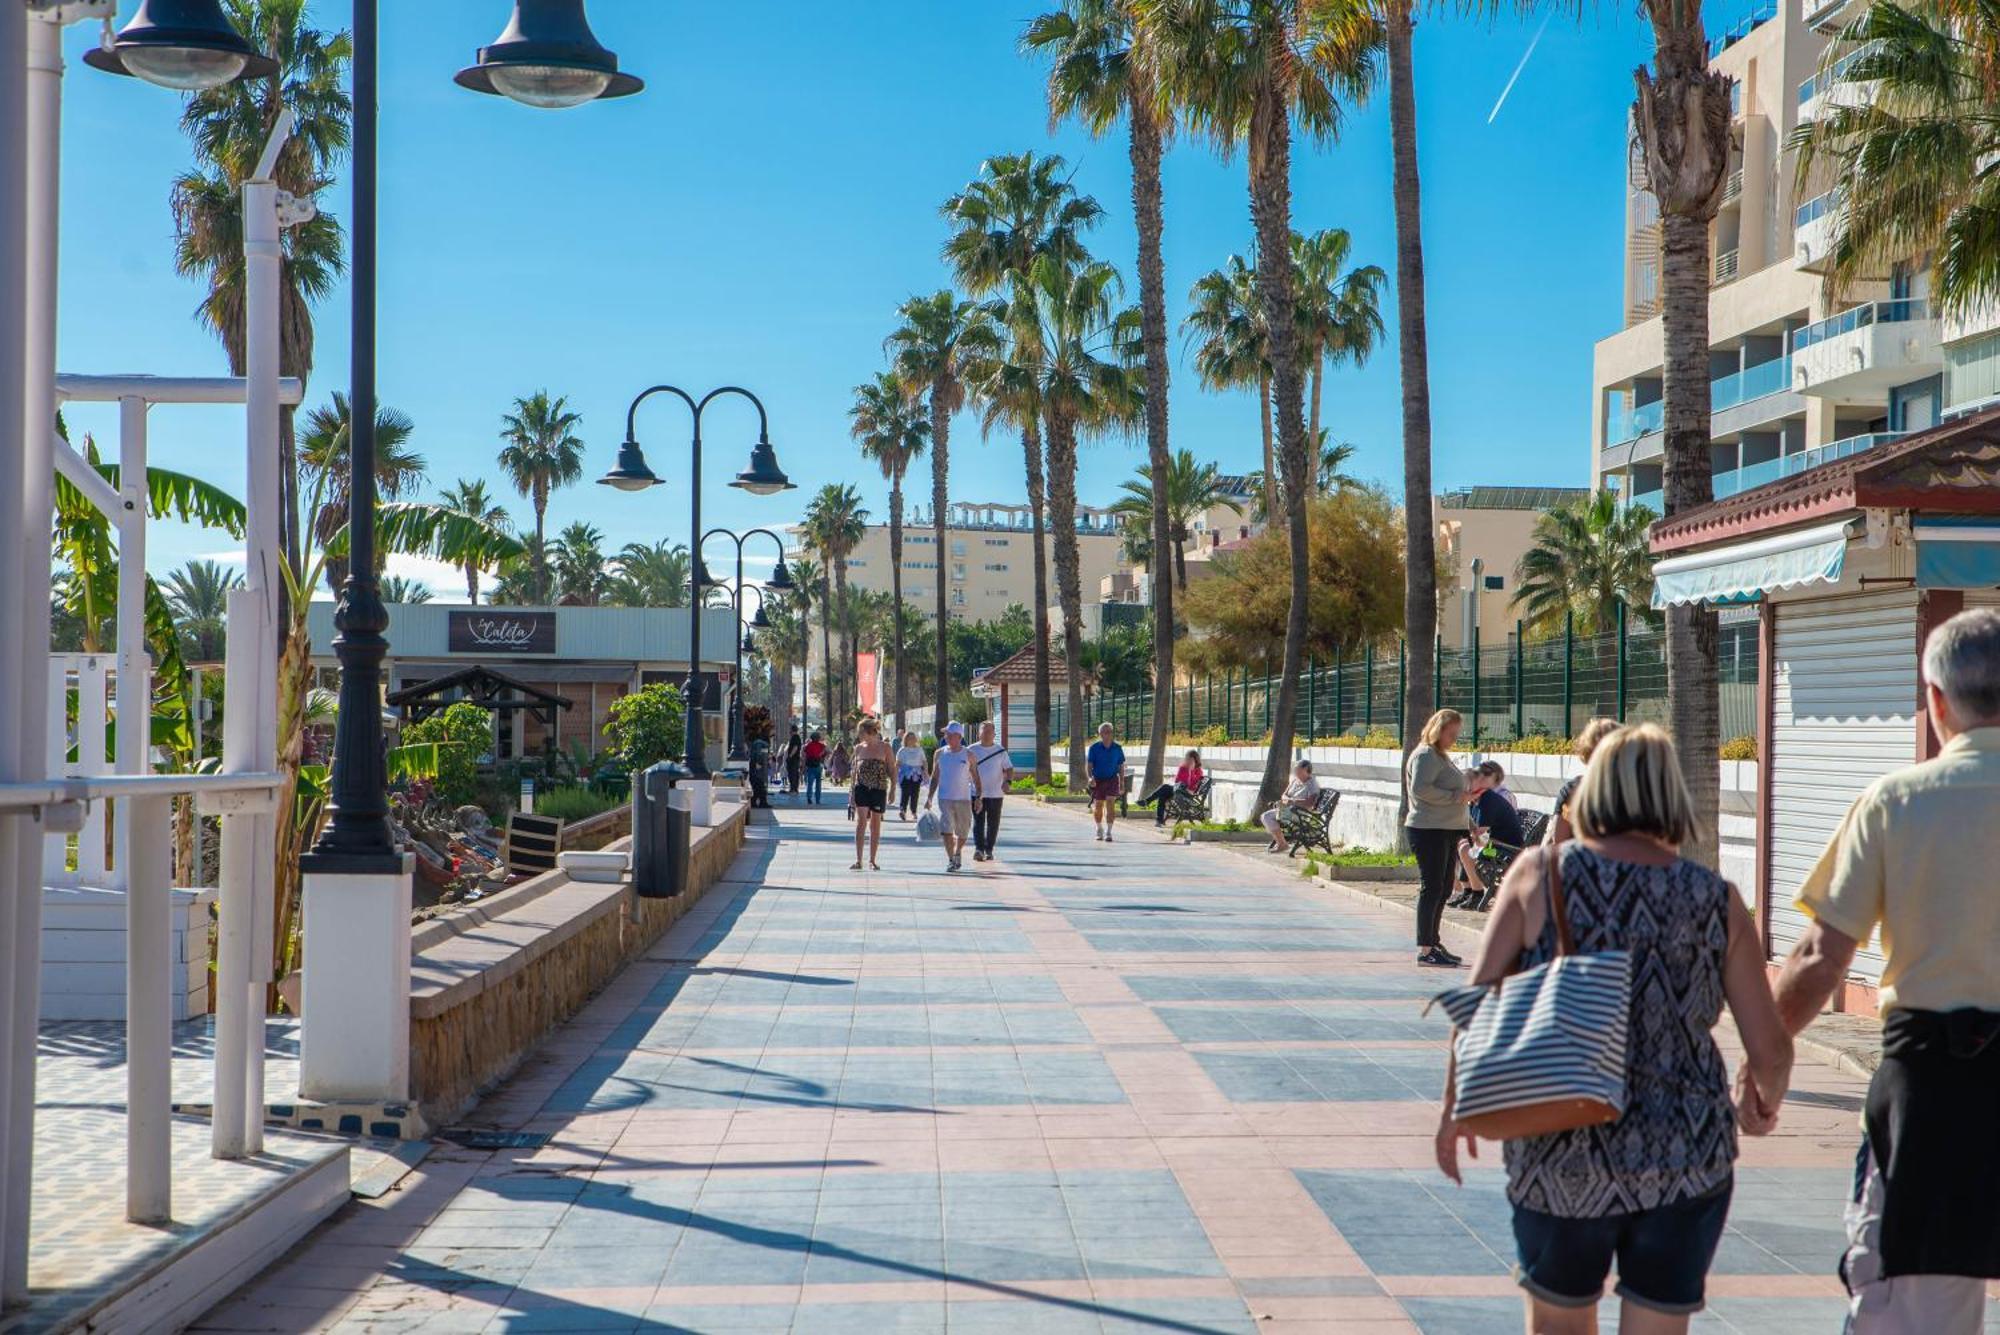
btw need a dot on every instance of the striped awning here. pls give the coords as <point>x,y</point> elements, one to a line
<point>1747,570</point>
<point>1957,553</point>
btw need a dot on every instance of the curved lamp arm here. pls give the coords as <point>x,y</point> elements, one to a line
<point>632,413</point>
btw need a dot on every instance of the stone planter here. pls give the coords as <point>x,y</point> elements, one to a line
<point>1356,874</point>
<point>1228,837</point>
<point>1066,799</point>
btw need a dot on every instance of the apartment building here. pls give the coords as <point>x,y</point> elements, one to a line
<point>1482,534</point>
<point>1799,374</point>
<point>989,557</point>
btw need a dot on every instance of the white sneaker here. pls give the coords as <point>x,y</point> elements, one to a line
<point>1107,837</point>
<point>1100,834</point>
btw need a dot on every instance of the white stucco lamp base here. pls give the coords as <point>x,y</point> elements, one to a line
<point>354,1041</point>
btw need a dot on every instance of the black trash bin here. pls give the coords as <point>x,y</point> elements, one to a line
<point>662,831</point>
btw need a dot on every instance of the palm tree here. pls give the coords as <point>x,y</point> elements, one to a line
<point>1191,490</point>
<point>1225,327</point>
<point>809,581</point>
<point>1586,557</point>
<point>1333,457</point>
<point>1101,72</point>
<point>402,589</point>
<point>468,497</point>
<point>1020,207</point>
<point>1069,352</point>
<point>542,452</point>
<point>838,522</point>
<point>893,432</point>
<point>228,126</point>
<point>198,593</point>
<point>1243,69</point>
<point>939,337</point>
<point>1911,164</point>
<point>578,555</point>
<point>323,448</point>
<point>649,576</point>
<point>1338,309</point>
<point>1682,122</point>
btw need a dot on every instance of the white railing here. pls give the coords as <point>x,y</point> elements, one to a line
<point>1725,265</point>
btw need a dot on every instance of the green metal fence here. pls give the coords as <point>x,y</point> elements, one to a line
<point>1540,688</point>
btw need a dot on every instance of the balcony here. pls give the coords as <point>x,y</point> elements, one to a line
<point>1815,228</point>
<point>1743,27</point>
<point>1831,88</point>
<point>1769,381</point>
<point>1640,421</point>
<point>1725,267</point>
<point>1731,481</point>
<point>1838,449</point>
<point>1732,189</point>
<point>1859,354</point>
<point>1825,15</point>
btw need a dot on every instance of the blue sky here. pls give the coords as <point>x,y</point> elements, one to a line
<point>758,212</point>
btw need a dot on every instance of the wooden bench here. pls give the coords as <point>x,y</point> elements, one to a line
<point>1184,805</point>
<point>1310,827</point>
<point>1493,867</point>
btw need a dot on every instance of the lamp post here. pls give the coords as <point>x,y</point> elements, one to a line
<point>762,478</point>
<point>546,57</point>
<point>781,580</point>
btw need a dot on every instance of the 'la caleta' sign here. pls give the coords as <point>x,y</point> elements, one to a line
<point>500,632</point>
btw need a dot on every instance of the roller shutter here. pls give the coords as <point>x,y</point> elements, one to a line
<point>1843,713</point>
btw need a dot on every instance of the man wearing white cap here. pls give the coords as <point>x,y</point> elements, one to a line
<point>951,786</point>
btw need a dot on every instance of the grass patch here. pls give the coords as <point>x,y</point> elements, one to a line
<point>573,804</point>
<point>1181,828</point>
<point>1358,857</point>
<point>1029,787</point>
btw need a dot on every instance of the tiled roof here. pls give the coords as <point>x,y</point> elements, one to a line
<point>1019,668</point>
<point>1953,468</point>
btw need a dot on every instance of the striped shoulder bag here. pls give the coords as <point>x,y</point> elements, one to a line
<point>1543,1050</point>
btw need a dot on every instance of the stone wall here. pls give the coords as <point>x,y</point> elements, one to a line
<point>483,996</point>
<point>1370,784</point>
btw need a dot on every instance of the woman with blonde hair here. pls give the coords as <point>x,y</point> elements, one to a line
<point>1435,788</point>
<point>1651,1188</point>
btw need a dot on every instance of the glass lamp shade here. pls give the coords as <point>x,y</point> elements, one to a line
<point>781,580</point>
<point>763,476</point>
<point>631,474</point>
<point>188,45</point>
<point>760,621</point>
<point>548,58</point>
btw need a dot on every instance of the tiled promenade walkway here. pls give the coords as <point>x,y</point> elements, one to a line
<point>1131,1087</point>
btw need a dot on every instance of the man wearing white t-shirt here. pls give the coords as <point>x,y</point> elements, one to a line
<point>992,771</point>
<point>951,785</point>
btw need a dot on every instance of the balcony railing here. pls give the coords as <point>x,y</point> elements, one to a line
<point>1898,311</point>
<point>1635,423</point>
<point>1732,190</point>
<point>1827,78</point>
<point>1815,208</point>
<point>1731,481</point>
<point>1725,265</point>
<point>1743,27</point>
<point>1838,449</point>
<point>1753,382</point>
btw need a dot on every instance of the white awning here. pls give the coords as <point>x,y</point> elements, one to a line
<point>1752,568</point>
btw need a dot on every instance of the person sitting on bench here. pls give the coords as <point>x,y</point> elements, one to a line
<point>1494,820</point>
<point>1301,793</point>
<point>1186,779</point>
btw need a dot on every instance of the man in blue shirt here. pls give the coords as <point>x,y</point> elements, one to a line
<point>1105,762</point>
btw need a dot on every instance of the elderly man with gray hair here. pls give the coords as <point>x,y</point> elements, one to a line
<point>1917,857</point>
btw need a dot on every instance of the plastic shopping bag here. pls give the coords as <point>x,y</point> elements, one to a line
<point>927,827</point>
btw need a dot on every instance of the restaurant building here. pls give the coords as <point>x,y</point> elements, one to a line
<point>587,656</point>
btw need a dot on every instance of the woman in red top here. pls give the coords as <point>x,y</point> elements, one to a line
<point>815,758</point>
<point>1186,779</point>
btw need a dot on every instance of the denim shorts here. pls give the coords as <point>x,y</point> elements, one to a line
<point>1663,1254</point>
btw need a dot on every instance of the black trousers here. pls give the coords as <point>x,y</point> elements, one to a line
<point>1437,852</point>
<point>912,793</point>
<point>760,786</point>
<point>985,823</point>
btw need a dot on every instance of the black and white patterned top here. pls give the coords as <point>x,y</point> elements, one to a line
<point>1677,1139</point>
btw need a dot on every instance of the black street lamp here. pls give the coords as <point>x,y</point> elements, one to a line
<point>781,580</point>
<point>188,45</point>
<point>539,60</point>
<point>762,478</point>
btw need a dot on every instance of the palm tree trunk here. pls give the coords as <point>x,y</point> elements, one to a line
<point>940,477</point>
<point>1270,449</point>
<point>1180,573</point>
<point>1271,211</point>
<point>472,582</point>
<point>1318,379</point>
<point>1419,538</point>
<point>1693,701</point>
<point>827,702</point>
<point>849,687</point>
<point>1682,116</point>
<point>1031,446</point>
<point>1147,208</point>
<point>541,502</point>
<point>1069,583</point>
<point>896,584</point>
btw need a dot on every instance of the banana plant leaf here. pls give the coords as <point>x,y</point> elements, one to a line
<point>417,528</point>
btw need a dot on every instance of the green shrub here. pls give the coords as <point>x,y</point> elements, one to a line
<point>462,733</point>
<point>1369,857</point>
<point>1740,748</point>
<point>574,804</point>
<point>646,727</point>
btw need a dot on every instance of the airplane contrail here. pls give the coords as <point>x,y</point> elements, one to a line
<point>1515,77</point>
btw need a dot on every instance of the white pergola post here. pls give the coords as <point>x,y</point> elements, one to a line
<point>17,831</point>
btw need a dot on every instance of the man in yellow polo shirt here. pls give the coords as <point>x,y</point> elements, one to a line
<point>1918,856</point>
